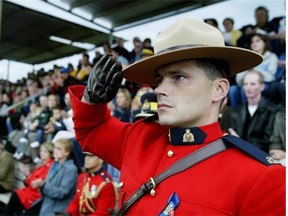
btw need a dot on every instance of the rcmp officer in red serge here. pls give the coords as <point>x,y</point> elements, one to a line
<point>182,164</point>
<point>95,193</point>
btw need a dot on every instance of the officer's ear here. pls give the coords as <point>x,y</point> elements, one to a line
<point>221,89</point>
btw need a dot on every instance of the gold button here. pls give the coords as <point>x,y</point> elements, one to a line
<point>121,184</point>
<point>170,153</point>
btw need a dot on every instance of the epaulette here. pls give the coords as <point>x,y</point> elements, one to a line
<point>250,149</point>
<point>105,177</point>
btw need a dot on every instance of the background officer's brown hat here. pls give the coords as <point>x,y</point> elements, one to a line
<point>190,39</point>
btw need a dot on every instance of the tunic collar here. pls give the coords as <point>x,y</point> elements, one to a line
<point>195,135</point>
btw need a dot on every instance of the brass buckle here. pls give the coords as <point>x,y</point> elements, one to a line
<point>152,191</point>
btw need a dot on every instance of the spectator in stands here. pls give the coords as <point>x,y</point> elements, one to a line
<point>147,44</point>
<point>62,80</point>
<point>38,124</point>
<point>97,57</point>
<point>265,27</point>
<point>95,194</point>
<point>22,199</point>
<point>67,114</point>
<point>7,170</point>
<point>55,123</point>
<point>211,21</point>
<point>135,54</point>
<point>262,24</point>
<point>59,186</point>
<point>106,47</point>
<point>69,80</point>
<point>28,127</point>
<point>253,121</point>
<point>122,50</point>
<point>122,105</point>
<point>230,34</point>
<point>33,89</point>
<point>258,43</point>
<point>277,148</point>
<point>243,40</point>
<point>85,69</point>
<point>116,54</point>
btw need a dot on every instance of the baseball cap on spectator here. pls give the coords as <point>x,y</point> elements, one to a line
<point>64,70</point>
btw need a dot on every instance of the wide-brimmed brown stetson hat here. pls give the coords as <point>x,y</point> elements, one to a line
<point>190,39</point>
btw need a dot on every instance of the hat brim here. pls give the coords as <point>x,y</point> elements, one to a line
<point>239,60</point>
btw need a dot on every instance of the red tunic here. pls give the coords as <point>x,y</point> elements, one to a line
<point>103,203</point>
<point>29,195</point>
<point>229,183</point>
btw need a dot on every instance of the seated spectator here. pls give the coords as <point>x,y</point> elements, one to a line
<point>67,115</point>
<point>243,40</point>
<point>22,199</point>
<point>135,54</point>
<point>277,148</point>
<point>147,44</point>
<point>59,186</point>
<point>265,27</point>
<point>230,34</point>
<point>259,44</point>
<point>121,59</point>
<point>39,123</point>
<point>120,46</point>
<point>55,124</point>
<point>95,194</point>
<point>253,121</point>
<point>211,21</point>
<point>97,57</point>
<point>28,127</point>
<point>121,109</point>
<point>7,170</point>
<point>86,67</point>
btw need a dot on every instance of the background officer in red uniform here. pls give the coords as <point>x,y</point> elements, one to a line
<point>190,72</point>
<point>95,194</point>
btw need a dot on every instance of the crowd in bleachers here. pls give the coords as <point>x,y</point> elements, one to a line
<point>40,110</point>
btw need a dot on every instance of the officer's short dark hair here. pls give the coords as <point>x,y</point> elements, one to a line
<point>214,68</point>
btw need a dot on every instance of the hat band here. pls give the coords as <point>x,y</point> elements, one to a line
<point>178,48</point>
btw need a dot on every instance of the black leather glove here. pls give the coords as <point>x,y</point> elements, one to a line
<point>104,81</point>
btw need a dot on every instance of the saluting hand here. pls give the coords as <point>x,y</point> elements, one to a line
<point>104,81</point>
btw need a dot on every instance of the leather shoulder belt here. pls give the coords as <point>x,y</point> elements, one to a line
<point>179,166</point>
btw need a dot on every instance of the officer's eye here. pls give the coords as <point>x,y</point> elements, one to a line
<point>159,79</point>
<point>179,77</point>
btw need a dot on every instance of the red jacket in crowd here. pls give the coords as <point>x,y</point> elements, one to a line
<point>29,195</point>
<point>95,195</point>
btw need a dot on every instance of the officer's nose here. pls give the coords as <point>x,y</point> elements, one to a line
<point>160,89</point>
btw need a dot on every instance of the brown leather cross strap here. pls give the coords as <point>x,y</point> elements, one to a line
<point>179,166</point>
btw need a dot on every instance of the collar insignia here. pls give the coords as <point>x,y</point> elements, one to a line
<point>272,160</point>
<point>186,136</point>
